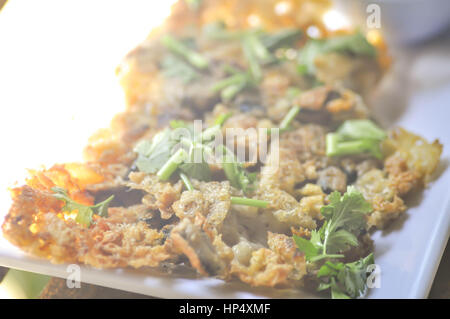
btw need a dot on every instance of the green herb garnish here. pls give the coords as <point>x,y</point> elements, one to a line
<point>196,167</point>
<point>281,39</point>
<point>355,44</point>
<point>152,155</point>
<point>175,67</point>
<point>236,173</point>
<point>345,280</point>
<point>344,221</point>
<point>194,4</point>
<point>234,200</point>
<point>355,137</point>
<point>232,85</point>
<point>172,164</point>
<point>179,48</point>
<point>186,182</point>
<point>249,202</point>
<point>287,120</point>
<point>85,212</point>
<point>221,119</point>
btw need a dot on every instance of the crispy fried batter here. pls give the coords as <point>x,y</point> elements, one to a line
<point>163,222</point>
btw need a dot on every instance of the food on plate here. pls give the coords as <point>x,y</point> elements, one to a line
<point>289,200</point>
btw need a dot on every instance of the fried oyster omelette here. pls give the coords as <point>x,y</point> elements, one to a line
<point>300,217</point>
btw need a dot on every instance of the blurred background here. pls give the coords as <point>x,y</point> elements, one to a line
<point>57,83</point>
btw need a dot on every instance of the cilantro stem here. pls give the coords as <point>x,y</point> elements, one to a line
<point>234,79</point>
<point>231,69</point>
<point>231,173</point>
<point>258,49</point>
<point>249,202</point>
<point>323,256</point>
<point>172,164</point>
<point>230,166</point>
<point>210,133</point>
<point>350,147</point>
<point>255,69</point>
<point>194,58</point>
<point>222,118</point>
<point>230,91</point>
<point>332,140</point>
<point>290,116</point>
<point>186,182</point>
<point>335,147</point>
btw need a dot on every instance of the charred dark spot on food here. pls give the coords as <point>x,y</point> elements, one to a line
<point>312,116</point>
<point>249,101</point>
<point>156,222</point>
<point>314,99</point>
<point>332,179</point>
<point>123,196</point>
<point>17,219</point>
<point>303,183</point>
<point>166,232</point>
<point>332,95</point>
<point>133,168</point>
<point>351,177</point>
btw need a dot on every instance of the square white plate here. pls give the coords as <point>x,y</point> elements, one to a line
<point>415,95</point>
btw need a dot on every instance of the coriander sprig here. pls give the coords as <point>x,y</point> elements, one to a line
<point>345,280</point>
<point>344,221</point>
<point>235,172</point>
<point>84,212</point>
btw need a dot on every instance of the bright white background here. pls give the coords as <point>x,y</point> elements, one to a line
<point>57,75</point>
<point>57,86</point>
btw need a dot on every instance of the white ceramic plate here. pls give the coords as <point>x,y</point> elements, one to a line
<point>415,95</point>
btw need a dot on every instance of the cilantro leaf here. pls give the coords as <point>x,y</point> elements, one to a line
<point>344,221</point>
<point>345,280</point>
<point>84,212</point>
<point>236,173</point>
<point>84,216</point>
<point>153,155</point>
<point>196,167</point>
<point>306,246</point>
